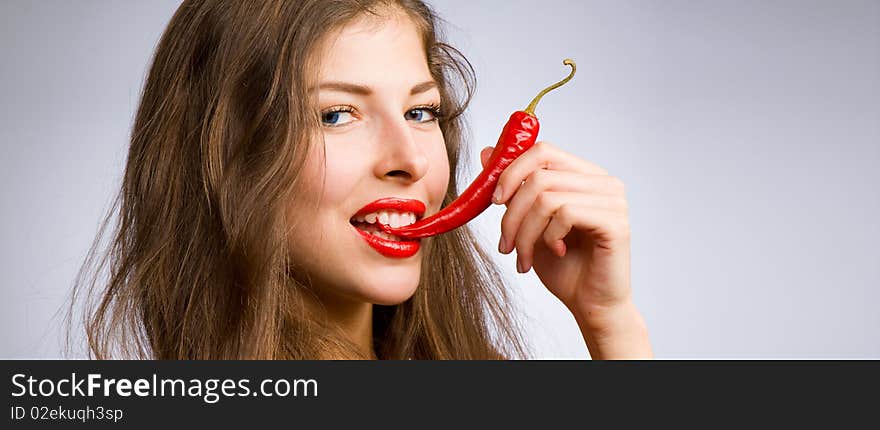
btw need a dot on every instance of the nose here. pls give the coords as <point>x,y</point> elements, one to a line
<point>403,157</point>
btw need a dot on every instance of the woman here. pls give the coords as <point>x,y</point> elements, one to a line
<point>268,137</point>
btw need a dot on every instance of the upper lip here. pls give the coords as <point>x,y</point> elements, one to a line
<point>398,203</point>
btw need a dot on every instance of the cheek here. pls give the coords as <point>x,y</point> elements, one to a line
<point>342,168</point>
<point>438,177</point>
<point>330,181</point>
<point>314,209</point>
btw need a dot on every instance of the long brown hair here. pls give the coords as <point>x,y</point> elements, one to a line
<point>197,264</point>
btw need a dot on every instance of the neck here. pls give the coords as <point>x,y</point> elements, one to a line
<point>355,318</point>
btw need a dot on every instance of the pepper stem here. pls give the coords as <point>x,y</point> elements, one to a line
<point>531,108</point>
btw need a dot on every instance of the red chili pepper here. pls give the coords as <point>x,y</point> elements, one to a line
<point>519,135</point>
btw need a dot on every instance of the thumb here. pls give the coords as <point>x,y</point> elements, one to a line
<point>485,154</point>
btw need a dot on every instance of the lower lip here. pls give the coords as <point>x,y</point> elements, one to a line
<point>391,248</point>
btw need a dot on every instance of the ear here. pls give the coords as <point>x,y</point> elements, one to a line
<point>485,154</point>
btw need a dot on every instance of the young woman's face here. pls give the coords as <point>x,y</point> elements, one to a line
<point>382,140</point>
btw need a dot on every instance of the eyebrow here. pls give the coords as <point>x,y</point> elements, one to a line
<point>363,90</point>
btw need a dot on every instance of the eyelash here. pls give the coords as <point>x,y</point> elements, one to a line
<point>434,108</point>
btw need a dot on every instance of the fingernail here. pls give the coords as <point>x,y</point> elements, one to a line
<point>519,267</point>
<point>560,249</point>
<point>502,245</point>
<point>497,196</point>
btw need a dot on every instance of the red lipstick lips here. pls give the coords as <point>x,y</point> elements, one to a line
<point>401,205</point>
<point>401,248</point>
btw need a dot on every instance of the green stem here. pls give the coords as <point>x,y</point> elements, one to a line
<point>531,108</point>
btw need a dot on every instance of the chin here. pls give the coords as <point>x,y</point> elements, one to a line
<point>391,294</point>
<point>387,286</point>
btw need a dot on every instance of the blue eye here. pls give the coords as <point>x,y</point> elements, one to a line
<point>433,111</point>
<point>336,116</point>
<point>330,118</point>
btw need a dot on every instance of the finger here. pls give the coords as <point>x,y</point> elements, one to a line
<point>533,225</point>
<point>547,205</point>
<point>606,227</point>
<point>576,188</point>
<point>542,155</point>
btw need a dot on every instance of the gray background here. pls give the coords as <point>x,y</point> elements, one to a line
<point>748,134</point>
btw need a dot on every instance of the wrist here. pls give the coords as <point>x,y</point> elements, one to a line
<point>614,332</point>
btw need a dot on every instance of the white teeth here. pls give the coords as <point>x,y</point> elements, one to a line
<point>392,218</point>
<point>395,219</point>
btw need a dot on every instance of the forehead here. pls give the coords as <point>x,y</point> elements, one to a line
<point>377,51</point>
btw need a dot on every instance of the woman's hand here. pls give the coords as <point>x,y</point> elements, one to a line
<point>567,218</point>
